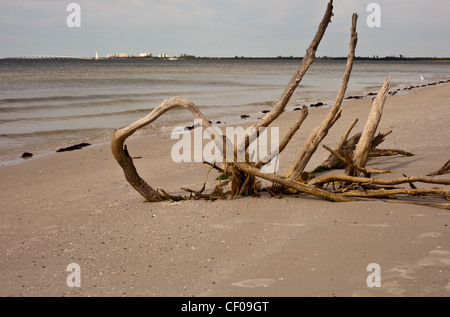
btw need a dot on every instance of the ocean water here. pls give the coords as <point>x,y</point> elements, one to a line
<point>49,104</point>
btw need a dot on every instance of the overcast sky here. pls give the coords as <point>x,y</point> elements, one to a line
<point>221,27</point>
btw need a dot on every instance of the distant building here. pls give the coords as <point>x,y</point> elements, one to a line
<point>186,56</point>
<point>121,55</point>
<point>163,55</point>
<point>146,54</point>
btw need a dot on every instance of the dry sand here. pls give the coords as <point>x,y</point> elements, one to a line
<point>76,207</point>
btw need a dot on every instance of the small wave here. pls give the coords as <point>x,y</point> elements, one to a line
<point>92,131</point>
<point>84,99</point>
<point>81,116</point>
<point>62,98</point>
<point>73,105</point>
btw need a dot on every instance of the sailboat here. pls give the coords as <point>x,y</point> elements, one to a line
<point>96,55</point>
<point>173,58</point>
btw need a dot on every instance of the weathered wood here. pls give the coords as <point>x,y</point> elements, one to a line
<point>318,134</point>
<point>345,136</point>
<point>379,181</point>
<point>243,175</point>
<point>292,183</point>
<point>286,139</point>
<point>349,146</point>
<point>361,153</point>
<point>379,139</point>
<point>443,170</point>
<point>399,191</point>
<point>333,161</point>
<point>125,161</point>
<point>346,159</point>
<point>388,152</point>
<point>306,62</point>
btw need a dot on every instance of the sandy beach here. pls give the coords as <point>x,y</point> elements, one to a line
<point>76,207</point>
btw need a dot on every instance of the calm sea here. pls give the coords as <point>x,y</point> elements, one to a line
<point>49,104</point>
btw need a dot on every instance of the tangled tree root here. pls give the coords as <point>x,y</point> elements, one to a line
<point>351,153</point>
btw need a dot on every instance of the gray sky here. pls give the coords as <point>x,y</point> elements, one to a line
<point>221,27</point>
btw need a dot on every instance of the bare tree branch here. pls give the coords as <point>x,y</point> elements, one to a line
<point>319,133</point>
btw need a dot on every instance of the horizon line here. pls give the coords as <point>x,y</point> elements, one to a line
<point>36,56</point>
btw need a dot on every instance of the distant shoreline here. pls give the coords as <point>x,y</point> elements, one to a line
<point>359,58</point>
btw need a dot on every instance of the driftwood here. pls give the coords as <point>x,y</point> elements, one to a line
<point>344,144</point>
<point>287,138</point>
<point>388,152</point>
<point>377,181</point>
<point>443,170</point>
<point>318,134</point>
<point>242,177</point>
<point>348,147</point>
<point>306,62</point>
<point>122,156</point>
<point>361,153</point>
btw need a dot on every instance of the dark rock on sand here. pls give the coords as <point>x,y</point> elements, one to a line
<point>244,116</point>
<point>354,97</point>
<point>191,127</point>
<point>26,155</point>
<point>73,147</point>
<point>319,104</point>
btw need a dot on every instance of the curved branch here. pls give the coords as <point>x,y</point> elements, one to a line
<point>119,150</point>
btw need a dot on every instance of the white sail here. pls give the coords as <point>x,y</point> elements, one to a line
<point>96,55</point>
